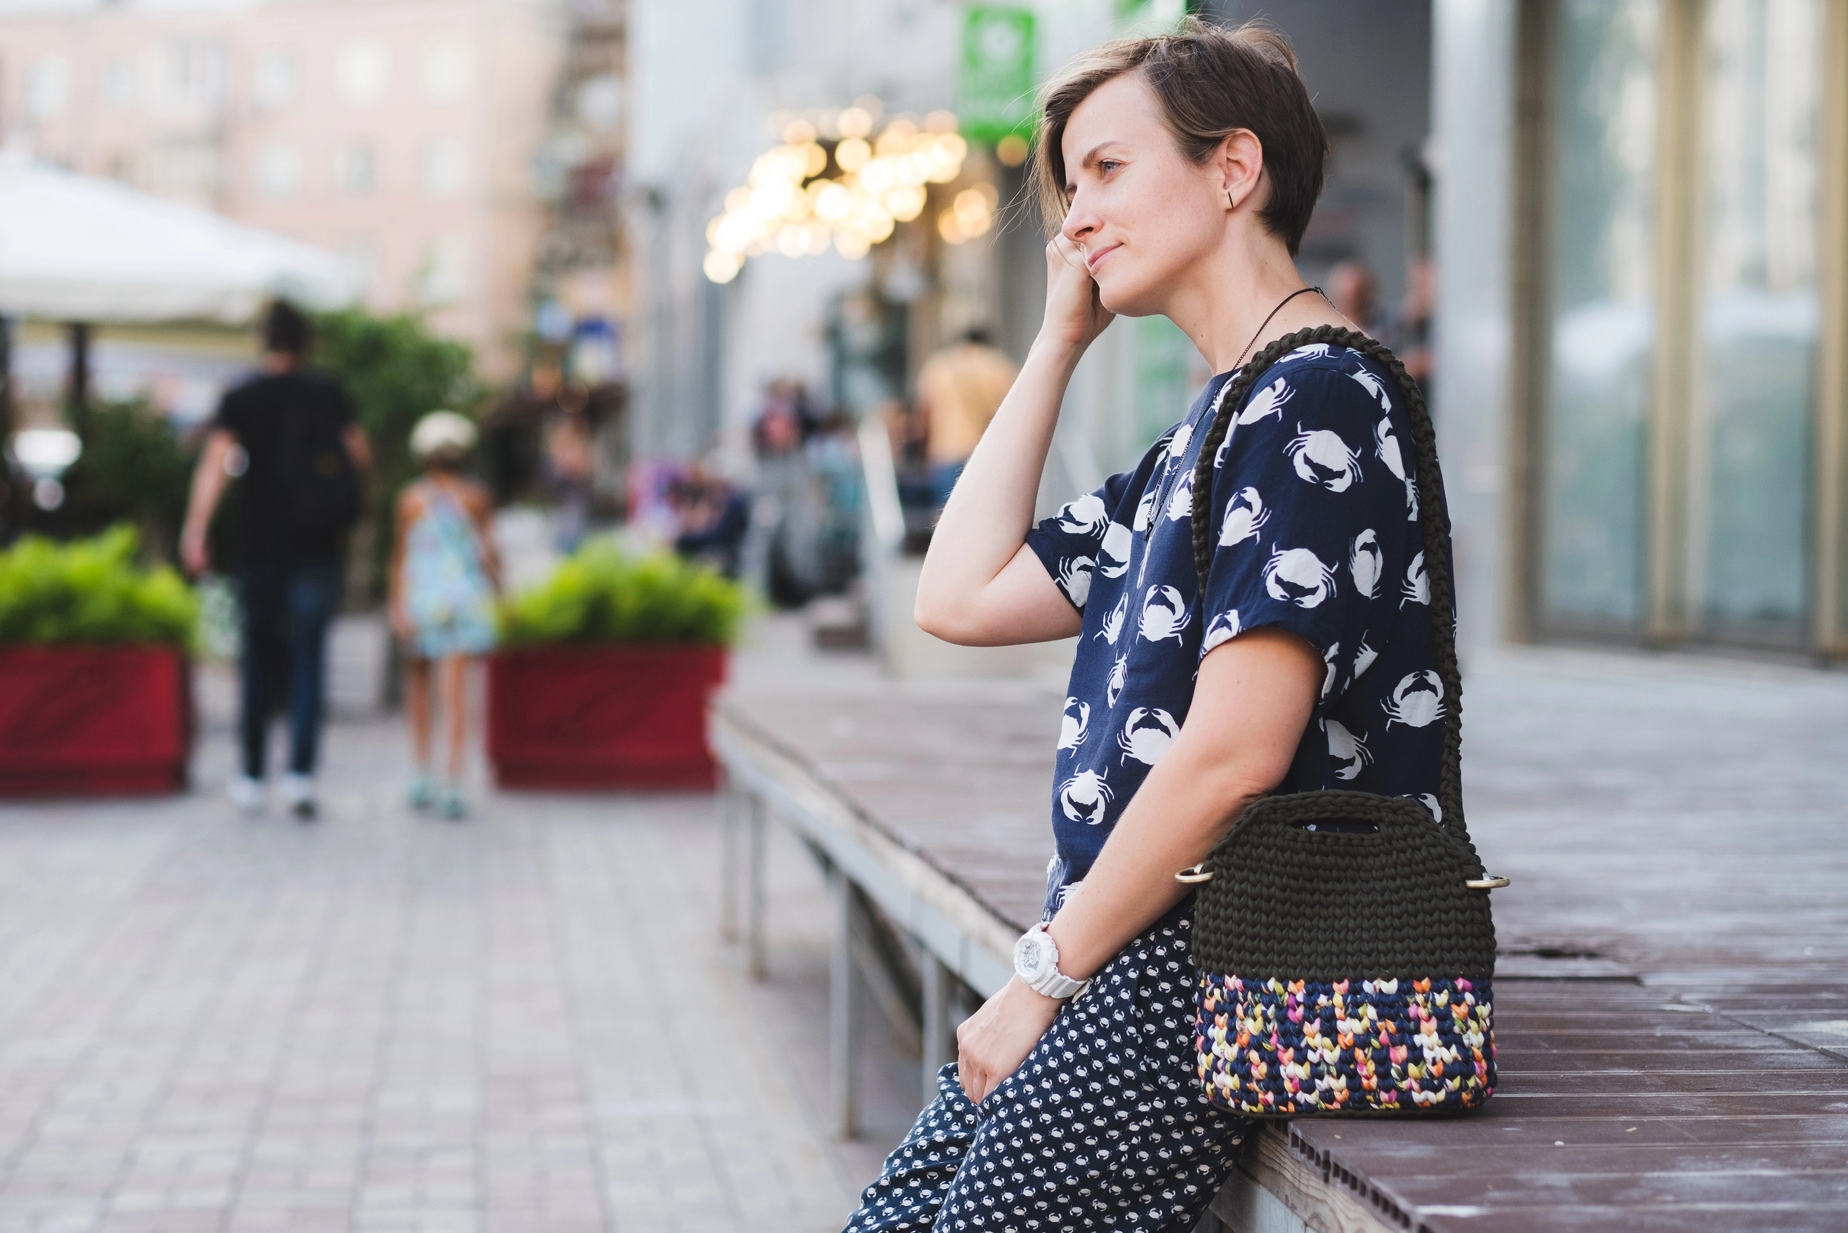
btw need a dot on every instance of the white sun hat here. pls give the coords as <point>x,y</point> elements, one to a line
<point>442,433</point>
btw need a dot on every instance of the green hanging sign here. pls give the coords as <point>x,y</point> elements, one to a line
<point>996,92</point>
<point>1146,17</point>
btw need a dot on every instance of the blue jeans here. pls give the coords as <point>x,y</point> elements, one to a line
<point>287,610</point>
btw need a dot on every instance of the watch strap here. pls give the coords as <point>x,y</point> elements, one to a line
<point>1051,982</point>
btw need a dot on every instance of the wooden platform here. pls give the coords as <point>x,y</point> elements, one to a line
<point>1684,1069</point>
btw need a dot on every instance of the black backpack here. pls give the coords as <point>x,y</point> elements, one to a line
<point>319,488</point>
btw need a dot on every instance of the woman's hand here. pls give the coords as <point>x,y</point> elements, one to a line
<point>993,1042</point>
<point>1074,314</point>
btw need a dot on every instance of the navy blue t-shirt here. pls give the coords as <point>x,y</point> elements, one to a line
<point>1315,513</point>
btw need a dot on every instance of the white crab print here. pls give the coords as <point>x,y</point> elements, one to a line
<point>1075,574</point>
<point>1309,351</point>
<point>1147,735</point>
<point>1417,588</point>
<point>1178,443</point>
<point>1145,508</point>
<point>1348,750</point>
<point>1430,803</point>
<point>1320,456</point>
<point>1164,614</point>
<point>1417,701</point>
<point>1366,563</point>
<point>1386,445</point>
<point>1266,402</point>
<point>1113,556</point>
<point>1363,659</point>
<point>1180,505</point>
<point>1374,386</point>
<point>1328,679</point>
<point>1084,515</point>
<point>1119,676</point>
<point>1113,621</point>
<point>1085,797</point>
<point>1076,724</point>
<point>1298,576</point>
<point>1224,628</point>
<point>1245,513</point>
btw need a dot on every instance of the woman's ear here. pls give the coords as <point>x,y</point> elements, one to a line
<point>1241,166</point>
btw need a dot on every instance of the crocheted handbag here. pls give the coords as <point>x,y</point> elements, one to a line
<point>1344,941</point>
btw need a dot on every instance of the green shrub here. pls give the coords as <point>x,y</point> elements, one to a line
<point>600,594</point>
<point>91,591</point>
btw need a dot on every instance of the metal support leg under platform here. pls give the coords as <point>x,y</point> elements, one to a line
<point>843,1009</point>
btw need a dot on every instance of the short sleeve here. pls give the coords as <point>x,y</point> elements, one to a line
<point>1069,542</point>
<point>228,416</point>
<point>1313,517</point>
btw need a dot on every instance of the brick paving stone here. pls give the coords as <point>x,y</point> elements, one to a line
<point>523,1023</point>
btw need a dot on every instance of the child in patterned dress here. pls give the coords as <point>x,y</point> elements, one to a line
<point>445,574</point>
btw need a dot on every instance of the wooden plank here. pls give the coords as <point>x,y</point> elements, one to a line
<point>1622,1105</point>
<point>1323,1201</point>
<point>1688,1218</point>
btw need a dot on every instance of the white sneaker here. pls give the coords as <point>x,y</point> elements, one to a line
<point>246,793</point>
<point>298,794</point>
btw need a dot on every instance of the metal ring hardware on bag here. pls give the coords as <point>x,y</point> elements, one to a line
<point>1347,969</point>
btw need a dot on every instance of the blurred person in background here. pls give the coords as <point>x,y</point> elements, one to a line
<point>713,518</point>
<point>570,460</point>
<point>291,435</point>
<point>1411,328</point>
<point>959,389</point>
<point>445,574</point>
<point>1355,295</point>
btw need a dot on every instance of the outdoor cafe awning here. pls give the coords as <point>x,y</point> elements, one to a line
<point>78,248</point>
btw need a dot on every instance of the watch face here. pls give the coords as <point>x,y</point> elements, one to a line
<point>1030,956</point>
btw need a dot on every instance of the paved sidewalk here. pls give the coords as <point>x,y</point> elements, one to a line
<point>523,1022</point>
<point>526,1022</point>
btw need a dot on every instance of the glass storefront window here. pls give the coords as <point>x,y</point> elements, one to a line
<point>1755,353</point>
<point>1601,315</point>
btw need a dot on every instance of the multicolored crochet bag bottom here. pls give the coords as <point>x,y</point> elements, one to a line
<point>1277,1047</point>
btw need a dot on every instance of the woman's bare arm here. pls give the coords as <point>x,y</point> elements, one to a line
<point>1254,698</point>
<point>981,585</point>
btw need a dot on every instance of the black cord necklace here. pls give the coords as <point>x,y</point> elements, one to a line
<point>1273,316</point>
<point>1163,495</point>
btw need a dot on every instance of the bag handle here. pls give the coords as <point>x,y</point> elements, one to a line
<point>1430,516</point>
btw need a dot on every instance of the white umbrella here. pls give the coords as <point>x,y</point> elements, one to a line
<point>78,248</point>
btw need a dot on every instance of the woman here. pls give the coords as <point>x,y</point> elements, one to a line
<point>1181,172</point>
<point>444,576</point>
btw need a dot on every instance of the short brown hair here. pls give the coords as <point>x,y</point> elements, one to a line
<point>1209,81</point>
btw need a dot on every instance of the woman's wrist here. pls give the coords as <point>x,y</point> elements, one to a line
<point>1057,350</point>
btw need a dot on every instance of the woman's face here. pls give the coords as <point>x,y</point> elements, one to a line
<point>1140,211</point>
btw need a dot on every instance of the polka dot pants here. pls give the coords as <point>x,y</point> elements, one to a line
<point>1103,1126</point>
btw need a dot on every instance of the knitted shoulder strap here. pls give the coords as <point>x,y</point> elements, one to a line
<point>1430,515</point>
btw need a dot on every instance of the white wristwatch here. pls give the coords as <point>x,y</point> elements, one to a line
<point>1036,962</point>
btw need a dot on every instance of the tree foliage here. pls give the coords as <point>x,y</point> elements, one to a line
<point>134,469</point>
<point>396,372</point>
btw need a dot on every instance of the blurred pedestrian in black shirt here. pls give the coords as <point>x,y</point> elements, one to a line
<point>291,435</point>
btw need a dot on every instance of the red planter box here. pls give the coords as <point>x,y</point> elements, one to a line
<point>93,720</point>
<point>630,716</point>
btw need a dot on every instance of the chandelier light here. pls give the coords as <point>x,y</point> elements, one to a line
<point>801,197</point>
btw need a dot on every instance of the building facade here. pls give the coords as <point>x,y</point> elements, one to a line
<point>406,134</point>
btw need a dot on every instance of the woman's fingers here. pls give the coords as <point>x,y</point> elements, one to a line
<point>1067,252</point>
